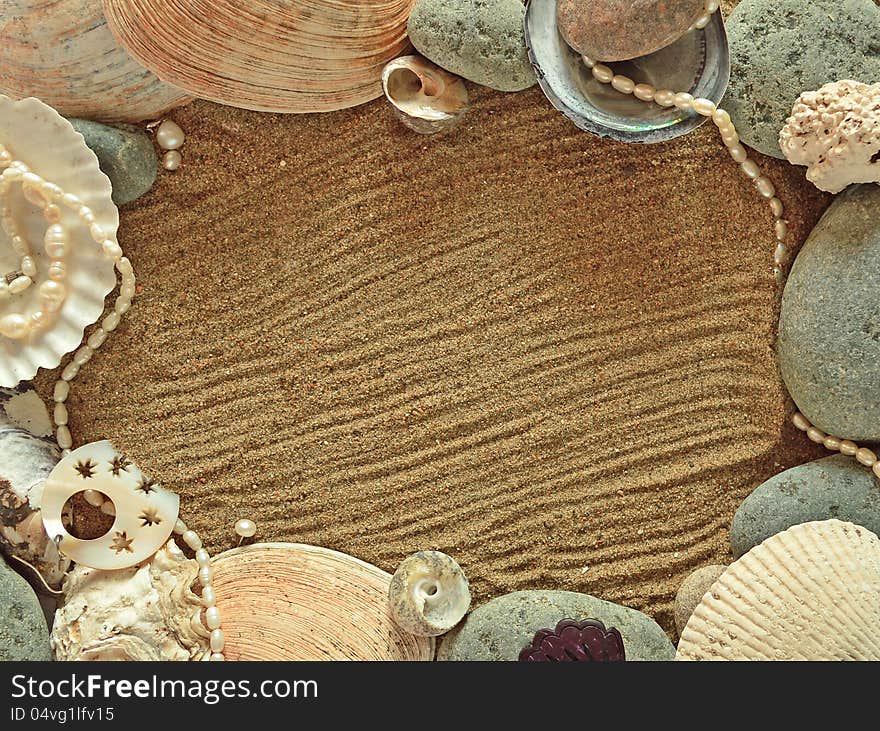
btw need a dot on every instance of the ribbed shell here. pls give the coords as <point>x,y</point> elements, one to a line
<point>811,592</point>
<point>266,55</point>
<point>62,52</point>
<point>38,136</point>
<point>288,601</point>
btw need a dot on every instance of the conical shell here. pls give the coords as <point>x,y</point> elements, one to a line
<point>273,56</point>
<point>426,98</point>
<point>811,592</point>
<point>62,52</point>
<point>37,135</point>
<point>287,601</point>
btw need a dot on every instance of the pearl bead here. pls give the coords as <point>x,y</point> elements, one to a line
<point>206,575</point>
<point>172,160</point>
<point>832,443</point>
<point>39,320</point>
<point>589,62</point>
<point>97,338</point>
<point>52,213</point>
<point>866,457</point>
<point>170,136</point>
<point>815,435</point>
<point>602,73</point>
<point>218,641</point>
<point>203,557</point>
<point>209,596</point>
<point>721,118</point>
<point>765,187</point>
<point>704,107</point>
<point>623,84</point>
<point>55,232</point>
<point>702,21</point>
<point>180,527</point>
<point>738,153</point>
<point>20,284</point>
<point>664,98</point>
<point>62,436</point>
<point>29,266</point>
<point>645,92</point>
<point>217,657</point>
<point>212,618</point>
<point>94,498</point>
<point>97,232</point>
<point>849,448</point>
<point>779,254</point>
<point>876,469</point>
<point>60,414</point>
<point>683,100</point>
<point>57,271</point>
<point>52,291</point>
<point>122,306</point>
<point>61,392</point>
<point>69,372</point>
<point>800,421</point>
<point>191,539</point>
<point>112,250</point>
<point>781,228</point>
<point>751,169</point>
<point>776,207</point>
<point>245,528</point>
<point>14,326</point>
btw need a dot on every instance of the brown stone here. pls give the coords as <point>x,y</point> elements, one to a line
<point>614,30</point>
<point>691,592</point>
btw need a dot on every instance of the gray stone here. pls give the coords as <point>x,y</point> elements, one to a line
<point>781,48</point>
<point>833,487</point>
<point>691,592</point>
<point>501,628</point>
<point>829,325</point>
<point>23,631</point>
<point>126,156</point>
<point>480,40</point>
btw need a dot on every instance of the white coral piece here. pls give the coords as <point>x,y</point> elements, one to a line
<point>140,613</point>
<point>835,131</point>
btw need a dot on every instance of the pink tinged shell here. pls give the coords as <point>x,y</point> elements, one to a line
<point>63,53</point>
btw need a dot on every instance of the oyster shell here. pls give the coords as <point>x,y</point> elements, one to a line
<point>140,613</point>
<point>429,594</point>
<point>698,62</point>
<point>27,456</point>
<point>292,56</point>
<point>37,135</point>
<point>811,592</point>
<point>426,98</point>
<point>61,51</point>
<point>288,601</point>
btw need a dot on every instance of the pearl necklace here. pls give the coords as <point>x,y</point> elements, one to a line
<point>50,198</point>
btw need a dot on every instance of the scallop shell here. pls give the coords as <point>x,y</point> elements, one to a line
<point>287,601</point>
<point>426,98</point>
<point>811,592</point>
<point>140,613</point>
<point>429,594</point>
<point>41,138</point>
<point>61,51</point>
<point>27,456</point>
<point>698,62</point>
<point>278,56</point>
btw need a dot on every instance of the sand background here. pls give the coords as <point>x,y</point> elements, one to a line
<point>530,348</point>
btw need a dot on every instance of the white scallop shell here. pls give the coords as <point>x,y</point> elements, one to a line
<point>811,592</point>
<point>47,143</point>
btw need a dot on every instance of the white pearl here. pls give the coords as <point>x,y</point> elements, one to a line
<point>750,168</point>
<point>218,641</point>
<point>70,371</point>
<point>170,136</point>
<point>180,527</point>
<point>60,415</point>
<point>212,618</point>
<point>602,73</point>
<point>111,322</point>
<point>56,249</point>
<point>97,338</point>
<point>245,528</point>
<point>645,92</point>
<point>172,160</point>
<point>52,291</point>
<point>589,62</point>
<point>55,232</point>
<point>664,98</point>
<point>721,118</point>
<point>112,250</point>
<point>20,284</point>
<point>191,538</point>
<point>206,575</point>
<point>765,187</point>
<point>29,266</point>
<point>779,254</point>
<point>738,153</point>
<point>14,326</point>
<point>623,84</point>
<point>122,306</point>
<point>61,392</point>
<point>776,207</point>
<point>217,657</point>
<point>683,100</point>
<point>704,107</point>
<point>209,596</point>
<point>202,556</point>
<point>62,436</point>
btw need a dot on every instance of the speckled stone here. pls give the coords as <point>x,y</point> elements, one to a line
<point>832,487</point>
<point>615,30</point>
<point>126,156</point>
<point>23,631</point>
<point>501,628</point>
<point>691,592</point>
<point>829,325</point>
<point>780,48</point>
<point>480,40</point>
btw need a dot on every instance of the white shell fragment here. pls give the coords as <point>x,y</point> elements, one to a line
<point>27,456</point>
<point>139,613</point>
<point>429,594</point>
<point>145,513</point>
<point>811,592</point>
<point>38,136</point>
<point>426,98</point>
<point>835,132</point>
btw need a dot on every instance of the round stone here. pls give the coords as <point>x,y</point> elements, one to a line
<point>480,40</point>
<point>126,156</point>
<point>691,592</point>
<point>832,487</point>
<point>24,634</point>
<point>500,629</point>
<point>829,325</point>
<point>615,30</point>
<point>780,48</point>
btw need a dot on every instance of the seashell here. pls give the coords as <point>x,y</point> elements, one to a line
<point>811,592</point>
<point>698,62</point>
<point>37,135</point>
<point>287,601</point>
<point>425,97</point>
<point>144,512</point>
<point>138,613</point>
<point>62,52</point>
<point>290,56</point>
<point>429,594</point>
<point>27,456</point>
